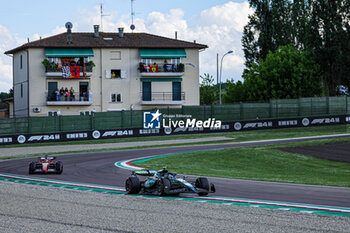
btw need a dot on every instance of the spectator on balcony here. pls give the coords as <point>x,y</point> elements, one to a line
<point>167,67</point>
<point>61,93</point>
<point>57,92</point>
<point>71,92</point>
<point>66,94</point>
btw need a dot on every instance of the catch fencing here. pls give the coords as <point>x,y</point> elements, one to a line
<point>244,111</point>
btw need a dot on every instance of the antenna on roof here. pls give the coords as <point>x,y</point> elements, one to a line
<point>132,26</point>
<point>102,15</point>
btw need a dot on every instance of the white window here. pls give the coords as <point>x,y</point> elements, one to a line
<point>175,61</point>
<point>53,113</point>
<point>146,61</point>
<point>84,113</point>
<point>116,98</point>
<point>115,74</point>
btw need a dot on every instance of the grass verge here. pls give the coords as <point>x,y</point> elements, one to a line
<point>264,163</point>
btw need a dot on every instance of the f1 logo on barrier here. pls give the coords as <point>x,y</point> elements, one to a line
<point>151,120</point>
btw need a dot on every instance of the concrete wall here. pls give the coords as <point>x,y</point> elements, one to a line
<point>190,83</point>
<point>20,83</point>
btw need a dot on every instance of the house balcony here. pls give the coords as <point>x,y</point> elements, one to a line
<point>161,70</point>
<point>77,99</point>
<point>57,72</point>
<point>162,98</point>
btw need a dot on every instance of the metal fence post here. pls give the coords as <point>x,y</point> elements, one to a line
<point>241,110</point>
<point>131,123</point>
<point>311,106</point>
<point>15,124</point>
<point>277,109</point>
<point>346,104</point>
<point>204,112</point>
<point>122,119</point>
<point>327,104</point>
<point>29,125</point>
<point>59,123</point>
<point>54,123</point>
<point>92,120</point>
<point>270,110</point>
<point>299,106</point>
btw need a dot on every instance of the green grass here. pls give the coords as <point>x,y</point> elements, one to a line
<point>264,163</point>
<point>236,136</point>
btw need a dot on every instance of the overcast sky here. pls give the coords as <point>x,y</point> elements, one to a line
<point>216,23</point>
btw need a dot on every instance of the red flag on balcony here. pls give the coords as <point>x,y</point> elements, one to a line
<point>75,71</point>
<point>153,68</point>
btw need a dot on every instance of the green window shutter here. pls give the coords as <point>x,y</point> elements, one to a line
<point>162,53</point>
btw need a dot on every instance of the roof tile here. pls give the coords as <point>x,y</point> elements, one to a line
<point>87,40</point>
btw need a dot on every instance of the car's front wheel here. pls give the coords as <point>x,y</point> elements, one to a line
<point>203,184</point>
<point>132,185</point>
<point>59,167</point>
<point>31,168</point>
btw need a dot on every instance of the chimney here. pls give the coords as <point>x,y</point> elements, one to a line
<point>120,32</point>
<point>69,36</point>
<point>175,35</point>
<point>96,32</point>
<point>69,26</point>
<point>194,41</point>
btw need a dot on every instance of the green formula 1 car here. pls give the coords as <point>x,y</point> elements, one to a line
<point>163,182</point>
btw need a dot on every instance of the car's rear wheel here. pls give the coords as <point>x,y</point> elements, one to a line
<point>202,183</point>
<point>132,185</point>
<point>164,186</point>
<point>59,167</point>
<point>31,168</point>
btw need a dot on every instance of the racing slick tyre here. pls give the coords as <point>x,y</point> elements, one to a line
<point>132,185</point>
<point>202,183</point>
<point>212,188</point>
<point>59,167</point>
<point>164,186</point>
<point>31,168</point>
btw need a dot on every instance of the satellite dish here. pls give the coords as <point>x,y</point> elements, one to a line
<point>132,27</point>
<point>69,25</point>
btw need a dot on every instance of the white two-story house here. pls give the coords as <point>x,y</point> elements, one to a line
<point>80,73</point>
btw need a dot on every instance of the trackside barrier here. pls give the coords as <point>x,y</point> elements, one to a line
<point>274,109</point>
<point>137,132</point>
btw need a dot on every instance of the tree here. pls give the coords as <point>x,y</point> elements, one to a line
<point>329,41</point>
<point>207,90</point>
<point>285,73</point>
<point>321,27</point>
<point>268,28</point>
<point>5,95</point>
<point>234,92</point>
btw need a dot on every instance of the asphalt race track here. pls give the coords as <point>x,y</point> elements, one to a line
<point>98,168</point>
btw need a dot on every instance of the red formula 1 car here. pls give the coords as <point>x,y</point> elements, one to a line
<point>46,164</point>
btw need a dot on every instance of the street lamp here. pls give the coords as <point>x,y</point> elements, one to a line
<point>221,72</point>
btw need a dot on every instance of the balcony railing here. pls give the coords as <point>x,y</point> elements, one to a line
<point>76,98</point>
<point>161,69</point>
<point>57,71</point>
<point>167,98</point>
